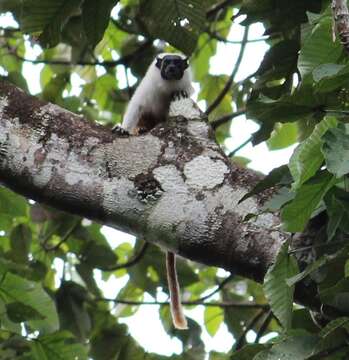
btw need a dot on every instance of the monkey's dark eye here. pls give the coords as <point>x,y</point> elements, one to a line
<point>158,63</point>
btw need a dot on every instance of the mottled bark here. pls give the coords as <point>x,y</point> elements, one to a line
<point>341,22</point>
<point>172,186</point>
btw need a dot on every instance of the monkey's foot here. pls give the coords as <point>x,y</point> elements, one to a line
<point>119,131</point>
<point>141,130</point>
<point>178,95</point>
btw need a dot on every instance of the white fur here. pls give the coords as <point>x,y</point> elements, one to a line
<point>153,94</point>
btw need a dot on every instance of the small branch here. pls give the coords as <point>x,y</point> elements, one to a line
<point>232,153</point>
<point>222,304</point>
<point>341,112</point>
<point>230,81</point>
<point>264,326</point>
<point>216,8</point>
<point>125,60</point>
<point>218,37</point>
<point>226,118</point>
<point>240,342</point>
<point>131,262</point>
<point>314,246</point>
<point>215,291</point>
<point>64,238</point>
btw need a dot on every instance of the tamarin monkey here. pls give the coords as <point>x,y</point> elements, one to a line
<point>167,78</point>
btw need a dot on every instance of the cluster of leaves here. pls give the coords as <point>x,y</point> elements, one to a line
<point>311,192</point>
<point>52,305</point>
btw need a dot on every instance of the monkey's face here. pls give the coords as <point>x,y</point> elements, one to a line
<point>172,67</point>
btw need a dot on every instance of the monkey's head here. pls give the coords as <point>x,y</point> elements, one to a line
<point>172,66</point>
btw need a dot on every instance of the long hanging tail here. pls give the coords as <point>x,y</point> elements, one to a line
<point>179,321</point>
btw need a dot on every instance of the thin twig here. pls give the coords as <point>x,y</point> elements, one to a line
<point>218,37</point>
<point>343,112</point>
<point>64,238</point>
<point>133,261</point>
<point>125,60</point>
<point>216,8</point>
<point>232,153</point>
<point>223,304</point>
<point>230,81</point>
<point>222,120</point>
<point>264,326</point>
<point>308,247</point>
<point>215,291</point>
<point>241,340</point>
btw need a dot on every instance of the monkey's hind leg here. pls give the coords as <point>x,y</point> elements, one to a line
<point>178,318</point>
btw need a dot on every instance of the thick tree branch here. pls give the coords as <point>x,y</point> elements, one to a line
<point>173,186</point>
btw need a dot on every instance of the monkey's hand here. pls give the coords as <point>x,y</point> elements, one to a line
<point>120,131</point>
<point>178,95</point>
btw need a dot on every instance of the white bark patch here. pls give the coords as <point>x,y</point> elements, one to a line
<point>198,129</point>
<point>3,103</point>
<point>77,165</point>
<point>134,155</point>
<point>116,201</point>
<point>170,179</point>
<point>186,108</point>
<point>204,172</point>
<point>51,110</point>
<point>43,172</point>
<point>169,210</point>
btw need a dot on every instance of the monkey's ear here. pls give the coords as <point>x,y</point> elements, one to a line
<point>185,63</point>
<point>158,63</point>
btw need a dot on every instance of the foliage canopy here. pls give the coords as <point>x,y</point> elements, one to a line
<point>52,306</point>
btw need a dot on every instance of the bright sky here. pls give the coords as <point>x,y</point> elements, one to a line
<point>152,336</point>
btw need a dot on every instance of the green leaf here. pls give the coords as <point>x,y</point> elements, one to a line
<point>57,346</point>
<point>337,207</point>
<point>11,204</point>
<point>336,149</point>
<point>280,175</point>
<point>287,109</point>
<point>324,71</point>
<point>292,348</point>
<point>319,48</point>
<point>100,256</point>
<point>307,157</point>
<point>248,352</point>
<point>278,293</point>
<point>213,318</point>
<point>337,295</point>
<point>95,15</point>
<point>176,21</point>
<point>19,312</point>
<point>48,17</point>
<point>20,240</point>
<point>114,343</point>
<point>14,288</point>
<point>73,315</point>
<point>279,199</point>
<point>283,136</point>
<point>296,214</point>
<point>333,325</point>
<point>310,268</point>
<point>329,77</point>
